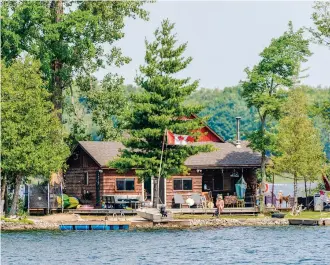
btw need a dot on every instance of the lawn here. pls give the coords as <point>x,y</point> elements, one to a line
<point>309,215</point>
<point>18,221</point>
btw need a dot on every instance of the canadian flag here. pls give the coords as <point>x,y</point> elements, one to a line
<point>178,139</point>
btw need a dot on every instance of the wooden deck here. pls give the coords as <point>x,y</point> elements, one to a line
<point>238,210</point>
<point>102,211</point>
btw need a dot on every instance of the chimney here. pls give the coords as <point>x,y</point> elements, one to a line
<point>238,137</point>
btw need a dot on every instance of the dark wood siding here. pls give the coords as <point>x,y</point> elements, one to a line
<point>79,163</point>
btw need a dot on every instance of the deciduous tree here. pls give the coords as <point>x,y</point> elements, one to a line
<point>300,152</point>
<point>278,68</point>
<point>69,38</point>
<point>31,137</point>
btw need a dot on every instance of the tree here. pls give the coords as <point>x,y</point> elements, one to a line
<point>68,38</point>
<point>298,143</point>
<point>221,107</point>
<point>321,35</point>
<point>96,113</point>
<point>31,138</point>
<point>321,19</point>
<point>159,106</point>
<point>278,68</point>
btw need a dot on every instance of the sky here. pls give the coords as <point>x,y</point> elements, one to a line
<point>223,38</point>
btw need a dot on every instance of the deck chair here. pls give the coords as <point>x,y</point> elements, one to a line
<point>197,199</point>
<point>178,199</point>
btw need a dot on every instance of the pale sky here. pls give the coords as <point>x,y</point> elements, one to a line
<point>223,38</point>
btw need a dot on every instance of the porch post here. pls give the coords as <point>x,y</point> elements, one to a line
<point>142,195</point>
<point>152,189</point>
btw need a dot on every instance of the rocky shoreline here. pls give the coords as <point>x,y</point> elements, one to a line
<point>189,223</point>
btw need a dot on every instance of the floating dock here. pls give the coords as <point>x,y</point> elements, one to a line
<point>308,222</point>
<point>94,226</point>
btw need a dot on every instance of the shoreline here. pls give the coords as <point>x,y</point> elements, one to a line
<point>52,222</point>
<point>137,225</point>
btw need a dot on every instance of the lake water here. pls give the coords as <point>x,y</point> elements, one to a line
<point>238,245</point>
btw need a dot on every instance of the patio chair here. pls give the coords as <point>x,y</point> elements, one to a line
<point>197,199</point>
<point>178,199</point>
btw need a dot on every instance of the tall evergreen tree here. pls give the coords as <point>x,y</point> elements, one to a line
<point>159,106</point>
<point>279,67</point>
<point>31,137</point>
<point>298,144</point>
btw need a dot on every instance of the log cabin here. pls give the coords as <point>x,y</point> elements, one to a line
<point>90,179</point>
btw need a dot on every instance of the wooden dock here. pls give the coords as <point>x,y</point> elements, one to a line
<point>307,222</point>
<point>236,210</point>
<point>242,210</point>
<point>102,211</point>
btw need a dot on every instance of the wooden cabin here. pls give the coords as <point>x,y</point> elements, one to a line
<point>90,179</point>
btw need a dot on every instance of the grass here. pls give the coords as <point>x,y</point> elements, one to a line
<point>309,215</point>
<point>18,221</point>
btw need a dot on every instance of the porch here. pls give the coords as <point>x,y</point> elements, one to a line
<point>209,183</point>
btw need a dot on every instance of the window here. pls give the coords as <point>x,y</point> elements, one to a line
<point>85,178</point>
<point>182,184</point>
<point>125,184</point>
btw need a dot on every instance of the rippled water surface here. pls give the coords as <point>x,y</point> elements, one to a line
<point>240,245</point>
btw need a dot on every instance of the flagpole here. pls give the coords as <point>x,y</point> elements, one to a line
<point>160,164</point>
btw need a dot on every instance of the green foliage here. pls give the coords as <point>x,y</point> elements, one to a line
<point>158,107</point>
<point>75,37</point>
<point>321,19</point>
<point>96,113</point>
<point>278,68</point>
<point>221,107</point>
<point>68,38</point>
<point>298,142</point>
<point>31,138</point>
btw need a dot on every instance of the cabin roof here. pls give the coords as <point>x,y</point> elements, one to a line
<point>225,155</point>
<point>100,151</point>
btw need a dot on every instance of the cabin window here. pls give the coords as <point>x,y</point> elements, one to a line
<point>125,184</point>
<point>85,178</point>
<point>85,161</point>
<point>182,184</point>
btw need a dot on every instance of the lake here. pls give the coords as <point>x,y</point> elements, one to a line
<point>235,245</point>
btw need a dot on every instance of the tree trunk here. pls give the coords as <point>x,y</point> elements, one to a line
<point>295,194</point>
<point>156,192</point>
<point>3,191</point>
<point>306,202</point>
<point>13,208</point>
<point>57,6</point>
<point>263,181</point>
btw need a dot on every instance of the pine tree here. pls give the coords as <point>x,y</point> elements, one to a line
<point>159,106</point>
<point>298,144</point>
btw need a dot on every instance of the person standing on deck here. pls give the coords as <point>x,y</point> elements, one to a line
<point>220,204</point>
